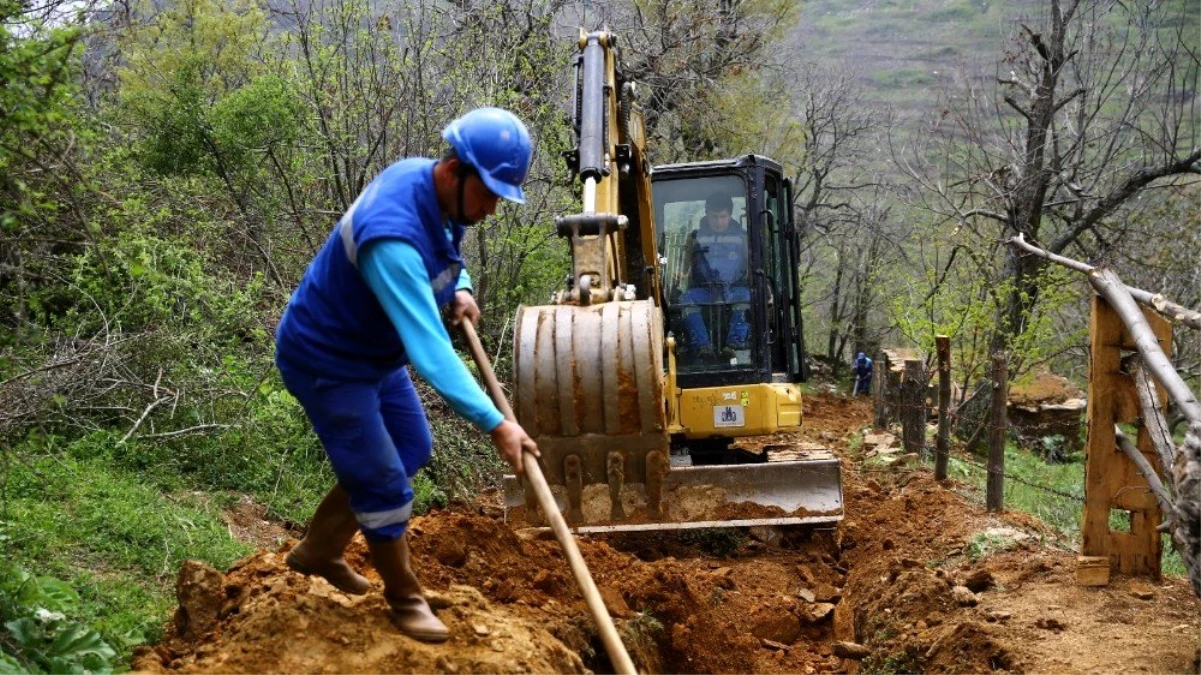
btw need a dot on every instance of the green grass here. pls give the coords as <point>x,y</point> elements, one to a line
<point>115,520</point>
<point>982,544</point>
<point>903,77</point>
<point>1062,513</point>
<point>115,539</point>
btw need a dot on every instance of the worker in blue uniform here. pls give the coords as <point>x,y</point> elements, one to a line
<point>368,305</point>
<point>719,277</point>
<point>862,366</point>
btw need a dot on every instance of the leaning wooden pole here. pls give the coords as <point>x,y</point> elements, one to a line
<point>1153,418</point>
<point>1158,489</point>
<point>1109,286</point>
<point>999,421</point>
<point>942,443</point>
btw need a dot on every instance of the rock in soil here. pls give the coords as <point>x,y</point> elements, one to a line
<point>964,597</point>
<point>818,612</point>
<point>776,623</point>
<point>200,590</point>
<point>851,650</point>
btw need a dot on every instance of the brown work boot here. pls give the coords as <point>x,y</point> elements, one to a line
<point>410,612</point>
<point>320,552</point>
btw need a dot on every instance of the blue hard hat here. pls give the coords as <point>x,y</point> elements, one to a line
<point>497,145</point>
<point>862,356</point>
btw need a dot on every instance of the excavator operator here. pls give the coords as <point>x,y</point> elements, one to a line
<point>719,275</point>
<point>367,307</point>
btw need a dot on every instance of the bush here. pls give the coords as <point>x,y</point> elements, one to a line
<point>38,636</point>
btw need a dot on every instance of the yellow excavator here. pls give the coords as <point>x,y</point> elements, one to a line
<point>662,383</point>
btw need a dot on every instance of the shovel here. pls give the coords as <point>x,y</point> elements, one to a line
<point>533,473</point>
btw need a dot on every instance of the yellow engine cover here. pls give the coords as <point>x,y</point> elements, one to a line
<point>740,410</point>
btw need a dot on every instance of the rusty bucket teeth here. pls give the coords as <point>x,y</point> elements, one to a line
<point>590,391</point>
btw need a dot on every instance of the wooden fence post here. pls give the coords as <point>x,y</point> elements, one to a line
<point>913,407</point>
<point>1112,483</point>
<point>942,444</point>
<point>995,498</point>
<point>880,384</point>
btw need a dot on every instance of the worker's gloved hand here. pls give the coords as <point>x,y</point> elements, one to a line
<point>464,307</point>
<point>510,440</point>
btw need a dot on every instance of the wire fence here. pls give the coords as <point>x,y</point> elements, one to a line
<point>1025,481</point>
<point>1018,479</point>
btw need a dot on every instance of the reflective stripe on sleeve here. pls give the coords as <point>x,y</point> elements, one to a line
<point>448,275</point>
<point>346,225</point>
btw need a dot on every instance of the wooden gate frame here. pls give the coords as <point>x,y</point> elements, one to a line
<point>1111,480</point>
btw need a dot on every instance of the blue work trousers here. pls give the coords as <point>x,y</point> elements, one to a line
<point>863,385</point>
<point>376,436</point>
<point>738,297</point>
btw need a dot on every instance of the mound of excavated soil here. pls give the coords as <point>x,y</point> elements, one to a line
<point>1042,387</point>
<point>905,580</point>
<point>513,606</point>
<point>261,617</point>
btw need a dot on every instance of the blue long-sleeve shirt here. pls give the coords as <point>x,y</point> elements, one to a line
<point>396,274</point>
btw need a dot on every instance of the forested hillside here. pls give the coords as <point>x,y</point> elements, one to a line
<point>168,169</point>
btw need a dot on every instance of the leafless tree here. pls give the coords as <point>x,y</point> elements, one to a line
<point>840,205</point>
<point>1094,106</point>
<point>682,52</point>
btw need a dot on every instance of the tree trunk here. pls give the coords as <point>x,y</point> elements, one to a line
<point>835,315</point>
<point>996,437</point>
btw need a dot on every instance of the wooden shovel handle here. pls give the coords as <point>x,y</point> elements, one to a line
<point>533,473</point>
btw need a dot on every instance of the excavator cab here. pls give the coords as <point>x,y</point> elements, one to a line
<point>726,234</point>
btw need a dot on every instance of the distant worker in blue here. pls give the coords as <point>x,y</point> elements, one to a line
<point>863,375</point>
<point>720,273</point>
<point>368,305</point>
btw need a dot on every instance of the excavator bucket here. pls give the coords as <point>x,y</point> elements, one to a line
<point>590,391</point>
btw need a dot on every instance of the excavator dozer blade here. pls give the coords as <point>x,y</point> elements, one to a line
<point>803,492</point>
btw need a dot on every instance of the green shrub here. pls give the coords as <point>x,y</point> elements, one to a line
<point>38,634</point>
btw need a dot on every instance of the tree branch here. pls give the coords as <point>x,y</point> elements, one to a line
<point>1166,308</point>
<point>1016,106</point>
<point>1126,190</point>
<point>1068,99</point>
<point>1144,467</point>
